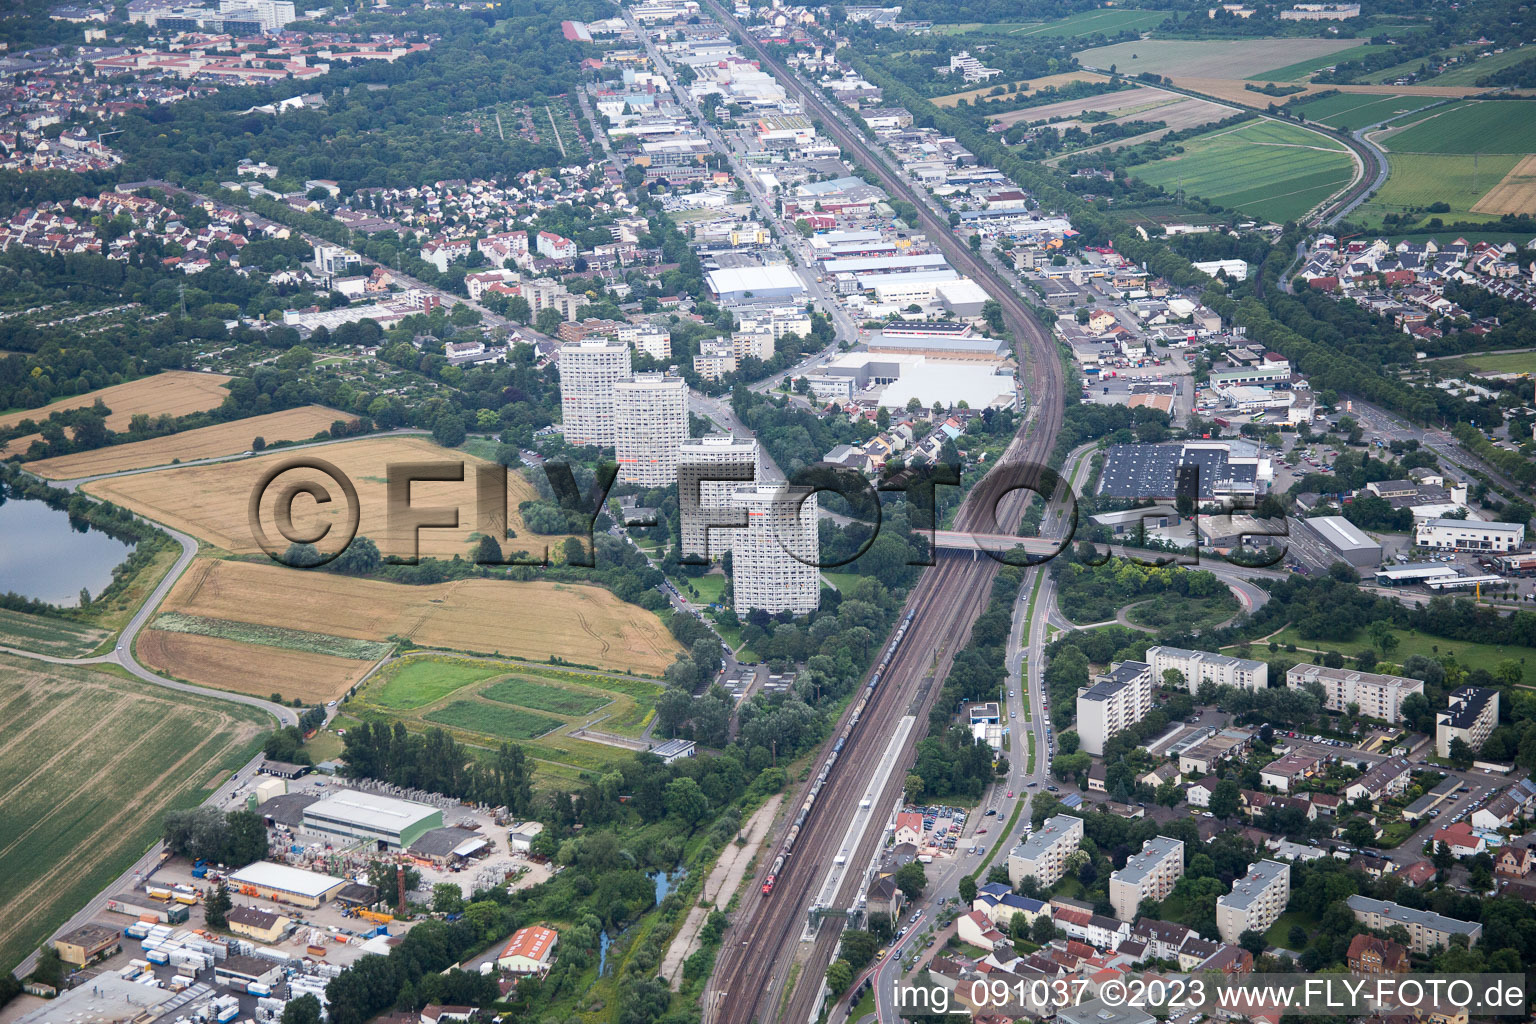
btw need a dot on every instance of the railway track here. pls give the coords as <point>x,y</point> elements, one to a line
<point>754,978</point>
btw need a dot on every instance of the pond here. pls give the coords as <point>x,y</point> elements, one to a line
<point>47,557</point>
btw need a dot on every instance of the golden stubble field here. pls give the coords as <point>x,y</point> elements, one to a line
<point>203,443</point>
<point>172,393</point>
<point>584,625</point>
<point>211,502</point>
<point>227,665</point>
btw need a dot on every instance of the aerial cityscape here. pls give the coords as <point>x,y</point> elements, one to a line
<point>730,512</point>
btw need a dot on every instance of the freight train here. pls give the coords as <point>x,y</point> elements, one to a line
<point>788,849</point>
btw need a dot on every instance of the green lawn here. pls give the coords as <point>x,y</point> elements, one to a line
<point>1504,362</point>
<point>1195,613</point>
<point>543,697</point>
<point>420,681</point>
<point>1356,110</point>
<point>1304,69</point>
<point>1468,655</point>
<point>706,589</point>
<point>1417,180</point>
<point>1107,20</point>
<point>1491,126</point>
<point>493,720</point>
<point>1264,168</point>
<point>841,580</point>
<point>48,634</point>
<point>1279,932</point>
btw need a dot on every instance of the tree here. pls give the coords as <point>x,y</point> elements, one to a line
<point>258,443</point>
<point>1462,754</point>
<point>1443,859</point>
<point>1298,936</point>
<point>1383,636</point>
<point>1358,832</point>
<point>686,800</point>
<point>1509,672</point>
<point>447,898</point>
<point>1043,930</point>
<point>50,967</point>
<point>1253,941</point>
<point>911,879</point>
<point>1224,799</point>
<point>303,1010</point>
<point>839,976</point>
<point>217,906</point>
<point>967,890</point>
<point>548,321</point>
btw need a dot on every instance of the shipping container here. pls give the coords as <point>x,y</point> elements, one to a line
<point>259,988</point>
<point>158,956</point>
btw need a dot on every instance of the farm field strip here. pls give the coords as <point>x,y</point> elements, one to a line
<point>1355,110</point>
<point>201,443</point>
<point>1488,126</point>
<point>268,636</point>
<point>226,665</point>
<point>1515,192</point>
<point>1211,58</point>
<point>543,697</point>
<point>172,393</point>
<point>1088,23</point>
<point>103,757</point>
<point>48,634</point>
<point>499,721</point>
<point>1304,69</point>
<point>1415,180</point>
<point>582,625</point>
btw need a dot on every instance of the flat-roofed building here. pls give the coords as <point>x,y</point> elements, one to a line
<point>709,469</point>
<point>283,884</point>
<point>1470,715</point>
<point>1469,535</point>
<point>1148,875</point>
<point>650,423</point>
<point>1342,538</point>
<point>88,943</point>
<point>350,815</point>
<point>590,370</point>
<point>1427,930</point>
<point>1256,901</point>
<point>1205,667</point>
<point>240,971</point>
<point>1374,695</point>
<point>1043,853</point>
<point>773,558</point>
<point>1114,703</point>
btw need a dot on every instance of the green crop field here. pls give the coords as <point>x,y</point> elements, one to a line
<point>1490,126</point>
<point>543,697</point>
<point>1304,69</point>
<point>421,681</point>
<point>1504,362</point>
<point>92,760</point>
<point>1469,73</point>
<point>47,634</point>
<point>1264,168</point>
<point>1356,110</point>
<point>1415,180</point>
<point>273,636</point>
<point>1105,20</point>
<point>495,720</point>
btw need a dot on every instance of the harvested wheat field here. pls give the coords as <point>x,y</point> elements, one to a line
<point>227,665</point>
<point>583,625</point>
<point>172,393</point>
<point>92,760</point>
<point>1109,102</point>
<point>210,502</point>
<point>1515,194</point>
<point>203,443</point>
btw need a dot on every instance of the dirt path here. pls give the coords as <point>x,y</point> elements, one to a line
<point>722,883</point>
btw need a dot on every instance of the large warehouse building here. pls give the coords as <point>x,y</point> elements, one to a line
<point>734,284</point>
<point>350,815</point>
<point>1344,539</point>
<point>283,884</point>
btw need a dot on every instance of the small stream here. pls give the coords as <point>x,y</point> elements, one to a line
<point>664,881</point>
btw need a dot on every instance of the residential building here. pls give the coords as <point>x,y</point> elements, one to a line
<point>1382,782</point>
<point>716,359</point>
<point>709,469</point>
<point>590,372</point>
<point>1372,694</point>
<point>650,421</point>
<point>1114,703</point>
<point>1427,930</point>
<point>1469,535</point>
<point>1148,875</point>
<point>1284,772</point>
<point>1256,901</point>
<point>1470,715</point>
<point>773,558</point>
<point>1370,955</point>
<point>1460,840</point>
<point>545,293</point>
<point>1043,853</point>
<point>556,247</point>
<point>1205,667</point>
<point>1503,808</point>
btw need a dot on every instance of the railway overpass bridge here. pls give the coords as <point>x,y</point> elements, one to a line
<point>996,544</point>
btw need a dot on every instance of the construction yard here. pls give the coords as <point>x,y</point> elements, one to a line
<point>172,393</point>
<point>92,759</point>
<point>210,502</point>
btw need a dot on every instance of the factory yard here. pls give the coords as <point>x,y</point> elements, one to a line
<point>172,393</point>
<point>190,445</point>
<point>210,501</point>
<point>582,625</point>
<point>92,761</point>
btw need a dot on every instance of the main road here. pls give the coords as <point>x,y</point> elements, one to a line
<point>764,972</point>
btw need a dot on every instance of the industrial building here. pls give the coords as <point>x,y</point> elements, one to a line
<point>709,469</point>
<point>241,971</point>
<point>1256,901</point>
<point>773,558</point>
<point>1471,713</point>
<point>1204,470</point>
<point>138,905</point>
<point>350,815</point>
<point>283,884</point>
<point>1148,875</point>
<point>1372,694</point>
<point>88,943</point>
<point>1469,535</point>
<point>1344,539</point>
<point>650,423</point>
<point>1414,572</point>
<point>736,284</point>
<point>675,750</point>
<point>530,951</point>
<point>257,924</point>
<point>1114,703</point>
<point>589,372</point>
<point>1043,853</point>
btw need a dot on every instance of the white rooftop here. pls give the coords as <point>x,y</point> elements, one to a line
<point>280,876</point>
<point>360,808</point>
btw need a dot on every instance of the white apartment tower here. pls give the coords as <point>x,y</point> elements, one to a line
<point>1374,695</point>
<point>1043,853</point>
<point>650,423</point>
<point>590,372</point>
<point>718,464</point>
<point>773,558</point>
<point>1256,901</point>
<point>1113,704</point>
<point>1148,875</point>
